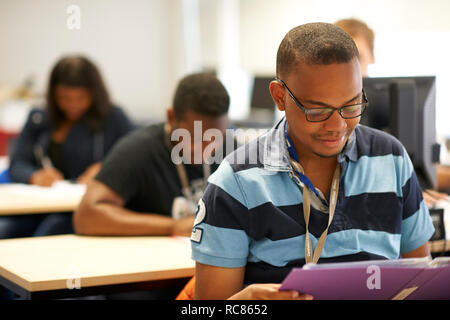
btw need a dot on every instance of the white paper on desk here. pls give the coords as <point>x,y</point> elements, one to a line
<point>183,239</point>
<point>58,189</point>
<point>67,186</point>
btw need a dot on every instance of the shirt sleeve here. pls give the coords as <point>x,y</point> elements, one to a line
<point>417,226</point>
<point>121,168</point>
<point>219,237</point>
<point>23,162</point>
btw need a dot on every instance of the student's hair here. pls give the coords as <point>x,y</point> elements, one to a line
<point>314,44</point>
<point>355,27</point>
<point>202,93</point>
<point>78,71</point>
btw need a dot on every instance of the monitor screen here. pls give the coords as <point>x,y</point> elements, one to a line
<point>262,107</point>
<point>261,98</point>
<point>405,108</point>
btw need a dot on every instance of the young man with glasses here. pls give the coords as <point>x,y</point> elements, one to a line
<point>323,188</point>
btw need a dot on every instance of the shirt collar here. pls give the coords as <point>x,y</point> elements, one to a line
<point>350,150</point>
<point>276,155</point>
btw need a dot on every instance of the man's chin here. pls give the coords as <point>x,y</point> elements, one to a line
<point>326,155</point>
<point>331,154</point>
<point>325,152</point>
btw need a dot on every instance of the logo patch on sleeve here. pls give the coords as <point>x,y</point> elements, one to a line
<point>200,215</point>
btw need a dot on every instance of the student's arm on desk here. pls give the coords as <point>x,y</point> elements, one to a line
<point>89,174</point>
<point>102,212</point>
<point>443,177</point>
<point>217,283</point>
<point>420,252</point>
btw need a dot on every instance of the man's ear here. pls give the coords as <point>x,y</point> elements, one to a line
<point>278,95</point>
<point>170,117</point>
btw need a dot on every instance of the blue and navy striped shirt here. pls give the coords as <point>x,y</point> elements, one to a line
<point>251,213</point>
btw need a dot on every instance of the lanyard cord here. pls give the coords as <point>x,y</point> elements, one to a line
<point>293,155</point>
<point>312,256</point>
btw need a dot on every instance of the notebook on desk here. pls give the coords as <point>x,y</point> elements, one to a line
<point>59,189</point>
<point>418,278</point>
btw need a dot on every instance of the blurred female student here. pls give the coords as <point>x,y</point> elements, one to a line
<point>65,141</point>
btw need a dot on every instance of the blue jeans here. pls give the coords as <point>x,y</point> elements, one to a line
<point>36,225</point>
<point>19,226</point>
<point>55,223</point>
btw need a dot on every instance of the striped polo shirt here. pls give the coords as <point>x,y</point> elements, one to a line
<point>251,213</point>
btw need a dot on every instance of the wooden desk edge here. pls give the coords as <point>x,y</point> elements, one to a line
<point>106,280</point>
<point>38,210</point>
<point>15,279</point>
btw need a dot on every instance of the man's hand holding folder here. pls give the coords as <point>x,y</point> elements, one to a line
<point>415,279</point>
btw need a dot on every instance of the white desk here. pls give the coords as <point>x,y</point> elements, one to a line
<point>27,199</point>
<point>48,267</point>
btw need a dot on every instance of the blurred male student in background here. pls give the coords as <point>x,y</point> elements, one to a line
<point>364,38</point>
<point>140,190</point>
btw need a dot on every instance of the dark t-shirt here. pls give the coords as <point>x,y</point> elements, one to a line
<point>139,168</point>
<point>56,155</point>
<point>80,148</point>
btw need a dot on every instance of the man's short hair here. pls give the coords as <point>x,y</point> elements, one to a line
<point>202,93</point>
<point>314,44</point>
<point>355,27</point>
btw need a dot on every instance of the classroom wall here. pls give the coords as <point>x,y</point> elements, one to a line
<point>137,44</point>
<point>141,48</point>
<point>265,22</point>
<point>412,37</point>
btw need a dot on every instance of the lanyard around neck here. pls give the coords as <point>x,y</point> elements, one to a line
<point>293,156</point>
<point>310,255</point>
<point>181,170</point>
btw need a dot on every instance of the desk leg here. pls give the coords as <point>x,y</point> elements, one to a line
<point>21,292</point>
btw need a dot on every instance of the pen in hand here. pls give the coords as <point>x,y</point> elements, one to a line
<point>46,176</point>
<point>42,158</point>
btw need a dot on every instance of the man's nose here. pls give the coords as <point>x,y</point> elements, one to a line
<point>335,122</point>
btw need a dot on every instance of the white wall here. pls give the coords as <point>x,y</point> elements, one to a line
<point>137,45</point>
<point>265,22</point>
<point>140,45</point>
<point>412,37</point>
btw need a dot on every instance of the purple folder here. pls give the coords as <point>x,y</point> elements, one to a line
<point>373,280</point>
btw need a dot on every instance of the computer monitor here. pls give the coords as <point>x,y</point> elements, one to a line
<point>261,98</point>
<point>262,107</point>
<point>406,108</point>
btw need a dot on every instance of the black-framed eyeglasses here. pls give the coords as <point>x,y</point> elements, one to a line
<point>318,114</point>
